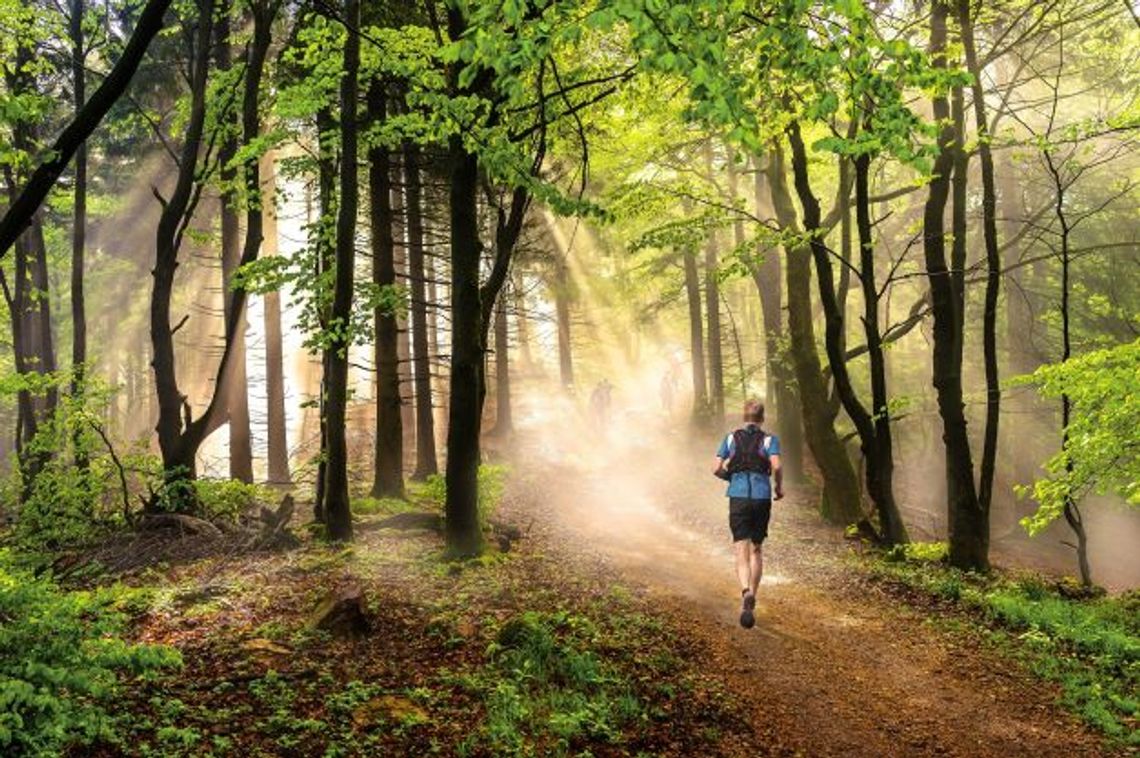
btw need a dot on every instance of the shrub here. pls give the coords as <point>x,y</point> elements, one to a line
<point>61,659</point>
<point>226,499</point>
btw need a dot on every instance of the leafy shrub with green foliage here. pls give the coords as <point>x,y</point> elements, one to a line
<point>1091,647</point>
<point>226,499</point>
<point>62,662</point>
<point>1102,454</point>
<point>548,692</point>
<point>65,504</point>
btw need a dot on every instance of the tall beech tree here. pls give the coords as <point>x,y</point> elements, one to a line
<point>968,521</point>
<point>180,434</point>
<point>337,514</point>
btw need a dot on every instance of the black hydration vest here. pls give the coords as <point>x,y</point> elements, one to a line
<point>749,451</point>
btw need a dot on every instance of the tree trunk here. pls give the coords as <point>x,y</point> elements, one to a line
<point>79,228</point>
<point>325,262</point>
<point>503,422</point>
<point>237,390</point>
<point>993,266</point>
<point>277,452</point>
<point>562,313</point>
<point>969,534</point>
<point>178,458</point>
<point>522,321</point>
<point>840,502</point>
<point>421,348</point>
<point>696,337</point>
<point>879,449</point>
<point>338,515</point>
<point>712,308</point>
<point>387,474</point>
<point>767,277</point>
<point>464,536</point>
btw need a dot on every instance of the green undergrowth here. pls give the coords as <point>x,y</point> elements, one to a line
<point>64,662</point>
<point>547,692</point>
<point>1089,646</point>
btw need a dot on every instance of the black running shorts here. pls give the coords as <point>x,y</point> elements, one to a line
<point>748,518</point>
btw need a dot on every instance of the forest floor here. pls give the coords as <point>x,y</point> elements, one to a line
<point>609,628</point>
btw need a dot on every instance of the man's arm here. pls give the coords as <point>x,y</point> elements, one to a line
<point>719,465</point>
<point>778,476</point>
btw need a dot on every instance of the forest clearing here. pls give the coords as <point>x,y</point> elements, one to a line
<point>563,378</point>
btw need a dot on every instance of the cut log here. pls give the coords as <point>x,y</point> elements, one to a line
<point>178,522</point>
<point>341,612</point>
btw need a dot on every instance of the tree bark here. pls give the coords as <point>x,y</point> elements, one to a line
<point>277,448</point>
<point>840,498</point>
<point>562,314</point>
<point>237,389</point>
<point>79,217</point>
<point>993,266</point>
<point>426,464</point>
<point>767,276</point>
<point>504,423</point>
<point>338,515</point>
<point>696,336</point>
<point>462,529</point>
<point>178,457</point>
<point>969,533</point>
<point>712,309</point>
<point>325,262</point>
<point>388,463</point>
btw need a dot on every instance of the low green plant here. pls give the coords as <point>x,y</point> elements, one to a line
<point>545,687</point>
<point>1091,647</point>
<point>226,499</point>
<point>61,662</point>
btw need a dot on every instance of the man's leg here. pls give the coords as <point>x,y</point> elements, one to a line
<point>743,566</point>
<point>757,566</point>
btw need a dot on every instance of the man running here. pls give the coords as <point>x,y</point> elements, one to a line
<point>749,458</point>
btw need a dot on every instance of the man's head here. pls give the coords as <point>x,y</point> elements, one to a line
<point>753,411</point>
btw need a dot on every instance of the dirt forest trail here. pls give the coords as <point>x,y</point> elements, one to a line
<point>831,670</point>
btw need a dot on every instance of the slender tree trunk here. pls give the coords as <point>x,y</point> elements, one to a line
<point>79,228</point>
<point>277,451</point>
<point>712,308</point>
<point>178,459</point>
<point>841,501</point>
<point>696,336</point>
<point>969,537</point>
<point>562,314</point>
<point>993,266</point>
<point>1071,511</point>
<point>421,348</point>
<point>338,516</point>
<point>325,262</point>
<point>880,466</point>
<point>504,424</point>
<point>387,474</point>
<point>522,320</point>
<point>237,391</point>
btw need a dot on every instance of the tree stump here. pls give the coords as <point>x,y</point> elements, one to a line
<point>341,612</point>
